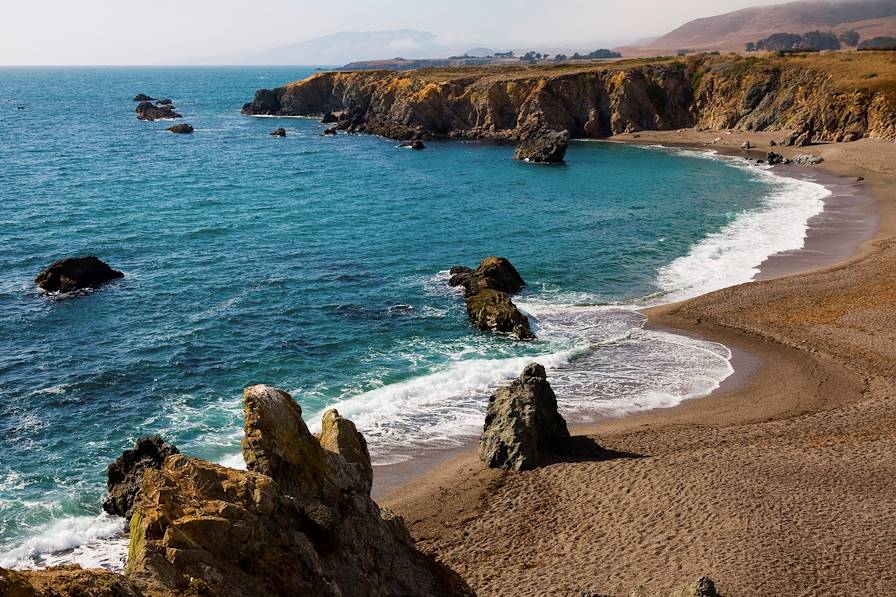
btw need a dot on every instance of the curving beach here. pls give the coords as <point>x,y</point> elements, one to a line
<point>780,482</point>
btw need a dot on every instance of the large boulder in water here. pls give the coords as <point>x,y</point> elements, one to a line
<point>522,424</point>
<point>180,129</point>
<point>125,475</point>
<point>547,147</point>
<point>493,310</point>
<point>76,273</point>
<point>150,111</point>
<point>299,521</point>
<point>486,292</point>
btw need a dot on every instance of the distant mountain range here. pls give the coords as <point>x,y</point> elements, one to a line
<point>732,31</point>
<point>349,46</point>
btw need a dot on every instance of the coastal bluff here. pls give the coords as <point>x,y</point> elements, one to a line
<point>828,97</point>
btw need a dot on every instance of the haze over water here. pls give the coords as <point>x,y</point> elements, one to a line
<point>317,264</point>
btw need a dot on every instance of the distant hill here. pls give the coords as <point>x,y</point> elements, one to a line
<point>347,46</point>
<point>732,31</point>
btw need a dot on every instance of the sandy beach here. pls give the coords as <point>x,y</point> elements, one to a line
<point>779,483</point>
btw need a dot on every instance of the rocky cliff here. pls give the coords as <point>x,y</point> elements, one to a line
<point>299,521</point>
<point>838,97</point>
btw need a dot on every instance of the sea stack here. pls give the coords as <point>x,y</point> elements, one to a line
<point>543,147</point>
<point>522,423</point>
<point>487,291</point>
<point>76,273</point>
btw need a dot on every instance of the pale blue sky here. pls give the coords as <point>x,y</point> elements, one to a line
<point>132,32</point>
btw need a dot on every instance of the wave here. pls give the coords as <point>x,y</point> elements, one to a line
<point>733,255</point>
<point>90,541</point>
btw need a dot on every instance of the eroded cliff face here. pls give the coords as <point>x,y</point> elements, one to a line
<point>594,102</point>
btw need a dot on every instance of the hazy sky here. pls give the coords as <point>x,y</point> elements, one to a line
<point>132,32</point>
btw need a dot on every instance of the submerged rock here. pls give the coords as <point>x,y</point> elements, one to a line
<point>180,129</point>
<point>76,273</point>
<point>125,475</point>
<point>522,423</point>
<point>149,111</point>
<point>329,131</point>
<point>547,147</point>
<point>300,521</point>
<point>278,132</point>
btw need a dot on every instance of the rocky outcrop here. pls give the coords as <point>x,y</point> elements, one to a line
<point>547,147</point>
<point>329,118</point>
<point>774,158</point>
<point>278,132</point>
<point>522,424</point>
<point>65,581</point>
<point>299,521</point>
<point>76,273</point>
<point>149,111</point>
<point>180,129</point>
<point>807,159</point>
<point>487,291</point>
<point>125,475</point>
<point>142,97</point>
<point>800,94</point>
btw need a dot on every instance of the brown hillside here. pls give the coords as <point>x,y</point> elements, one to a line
<point>731,31</point>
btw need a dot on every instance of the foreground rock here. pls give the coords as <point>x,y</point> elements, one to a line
<point>149,111</point>
<point>180,129</point>
<point>278,132</point>
<point>65,581</point>
<point>487,291</point>
<point>299,521</point>
<point>125,475</point>
<point>774,158</point>
<point>547,147</point>
<point>76,273</point>
<point>522,424</point>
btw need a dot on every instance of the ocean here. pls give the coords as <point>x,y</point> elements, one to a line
<point>319,265</point>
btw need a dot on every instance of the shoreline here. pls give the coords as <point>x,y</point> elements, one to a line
<point>753,484</point>
<point>826,245</point>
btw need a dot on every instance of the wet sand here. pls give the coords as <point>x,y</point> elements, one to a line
<point>780,483</point>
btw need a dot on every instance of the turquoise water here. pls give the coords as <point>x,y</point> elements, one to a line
<point>317,264</point>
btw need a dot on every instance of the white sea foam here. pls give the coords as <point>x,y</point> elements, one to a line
<point>733,255</point>
<point>91,541</point>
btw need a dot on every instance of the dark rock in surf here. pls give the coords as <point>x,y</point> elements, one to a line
<point>265,103</point>
<point>486,293</point>
<point>548,147</point>
<point>180,129</point>
<point>329,132</point>
<point>278,132</point>
<point>149,111</point>
<point>76,273</point>
<point>416,144</point>
<point>165,102</point>
<point>142,97</point>
<point>125,475</point>
<point>522,423</point>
